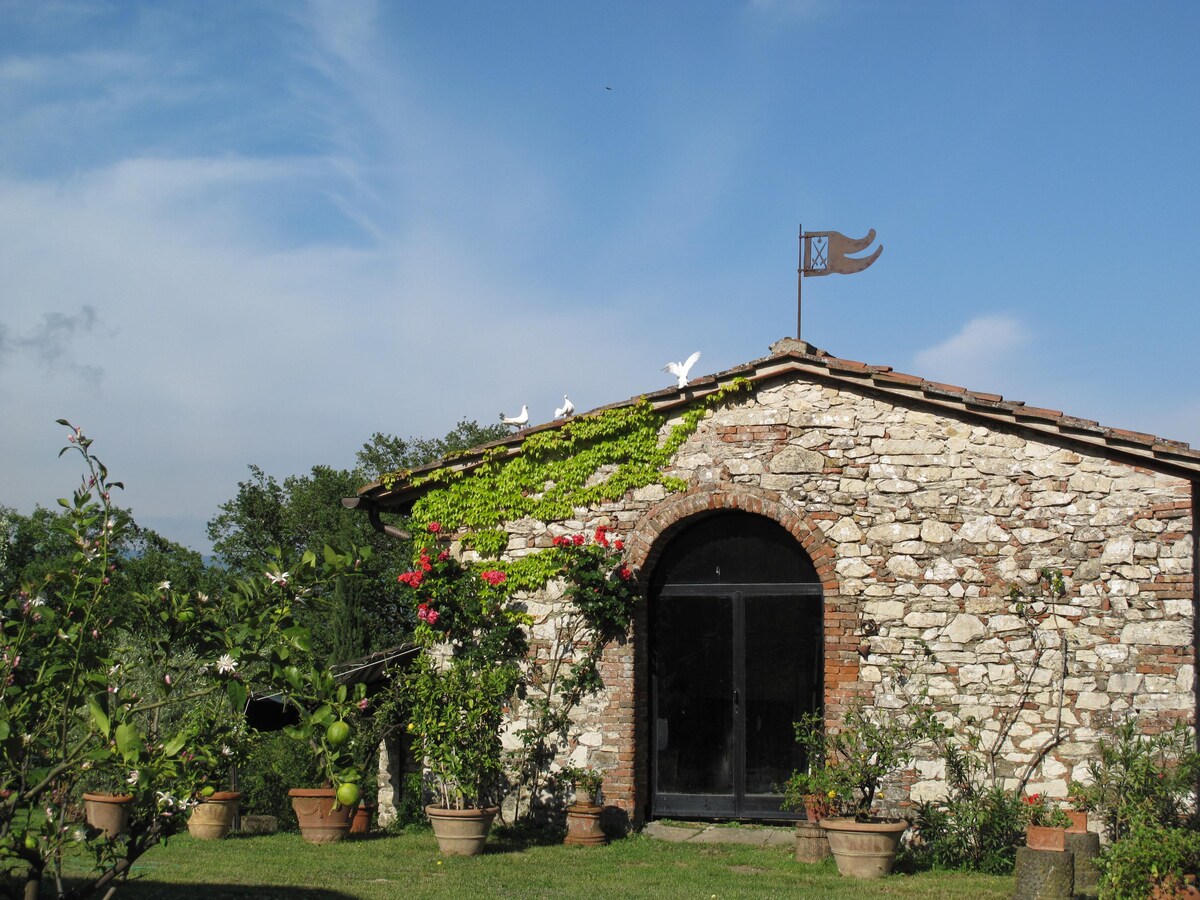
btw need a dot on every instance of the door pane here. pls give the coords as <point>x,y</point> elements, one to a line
<point>782,683</point>
<point>693,731</point>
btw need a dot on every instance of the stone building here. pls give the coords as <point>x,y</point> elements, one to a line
<point>846,528</point>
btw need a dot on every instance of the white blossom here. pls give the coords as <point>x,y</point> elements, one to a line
<point>133,777</point>
<point>226,665</point>
<point>164,586</point>
<point>277,577</point>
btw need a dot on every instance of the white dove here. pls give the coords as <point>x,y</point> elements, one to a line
<point>567,409</point>
<point>680,370</point>
<point>520,420</point>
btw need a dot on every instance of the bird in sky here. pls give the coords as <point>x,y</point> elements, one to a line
<point>567,409</point>
<point>680,370</point>
<point>520,420</point>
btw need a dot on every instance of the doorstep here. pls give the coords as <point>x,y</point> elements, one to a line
<point>706,833</point>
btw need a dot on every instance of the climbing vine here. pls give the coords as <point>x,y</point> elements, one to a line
<point>589,460</point>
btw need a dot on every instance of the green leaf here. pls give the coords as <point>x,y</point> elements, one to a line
<point>99,717</point>
<point>129,741</point>
<point>174,745</point>
<point>237,695</point>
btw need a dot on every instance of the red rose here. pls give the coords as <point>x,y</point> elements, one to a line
<point>577,540</point>
<point>434,527</point>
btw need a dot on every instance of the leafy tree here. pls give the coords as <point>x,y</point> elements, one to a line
<point>304,513</point>
<point>388,453</point>
<point>146,701</point>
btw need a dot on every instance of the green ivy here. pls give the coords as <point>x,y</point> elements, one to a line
<point>591,459</point>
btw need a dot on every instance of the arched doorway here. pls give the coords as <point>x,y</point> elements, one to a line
<point>735,658</point>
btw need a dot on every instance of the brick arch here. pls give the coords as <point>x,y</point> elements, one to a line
<point>655,529</point>
<point>629,666</point>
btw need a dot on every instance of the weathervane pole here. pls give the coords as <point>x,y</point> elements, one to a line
<point>799,281</point>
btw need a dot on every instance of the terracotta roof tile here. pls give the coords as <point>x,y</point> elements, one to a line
<point>803,359</point>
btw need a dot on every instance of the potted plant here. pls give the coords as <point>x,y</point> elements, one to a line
<point>459,689</point>
<point>324,813</point>
<point>812,788</point>
<point>583,816</point>
<point>1047,824</point>
<point>870,746</point>
<point>1078,813</point>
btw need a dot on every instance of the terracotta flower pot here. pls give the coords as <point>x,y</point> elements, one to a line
<point>1045,837</point>
<point>108,812</point>
<point>864,849</point>
<point>212,818</point>
<point>461,832</point>
<point>361,821</point>
<point>817,807</point>
<point>1079,821</point>
<point>583,825</point>
<point>320,822</point>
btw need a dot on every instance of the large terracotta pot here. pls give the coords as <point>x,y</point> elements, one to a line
<point>108,812</point>
<point>864,849</point>
<point>583,825</point>
<point>320,822</point>
<point>1045,837</point>
<point>461,832</point>
<point>212,818</point>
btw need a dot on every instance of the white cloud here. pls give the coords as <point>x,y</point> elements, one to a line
<point>983,352</point>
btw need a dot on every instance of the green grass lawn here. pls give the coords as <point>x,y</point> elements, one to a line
<point>409,865</point>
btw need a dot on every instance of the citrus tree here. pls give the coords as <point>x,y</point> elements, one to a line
<point>144,698</point>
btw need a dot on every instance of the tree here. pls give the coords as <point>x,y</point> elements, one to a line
<point>147,702</point>
<point>304,513</point>
<point>388,453</point>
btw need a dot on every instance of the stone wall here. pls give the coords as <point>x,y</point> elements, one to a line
<point>920,523</point>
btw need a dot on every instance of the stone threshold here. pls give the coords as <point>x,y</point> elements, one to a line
<point>709,833</point>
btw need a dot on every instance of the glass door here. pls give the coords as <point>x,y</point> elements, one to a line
<point>732,672</point>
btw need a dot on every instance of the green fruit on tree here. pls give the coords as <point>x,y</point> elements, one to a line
<point>338,733</point>
<point>208,790</point>
<point>347,793</point>
<point>31,842</point>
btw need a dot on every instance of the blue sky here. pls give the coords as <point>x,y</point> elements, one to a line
<point>257,232</point>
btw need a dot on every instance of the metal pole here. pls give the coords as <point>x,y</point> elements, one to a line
<point>799,282</point>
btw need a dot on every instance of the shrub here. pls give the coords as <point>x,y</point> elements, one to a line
<point>980,831</point>
<point>1141,778</point>
<point>275,765</point>
<point>1149,854</point>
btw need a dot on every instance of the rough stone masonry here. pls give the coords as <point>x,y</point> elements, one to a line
<point>921,505</point>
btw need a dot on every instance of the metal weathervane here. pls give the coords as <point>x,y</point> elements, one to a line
<point>827,253</point>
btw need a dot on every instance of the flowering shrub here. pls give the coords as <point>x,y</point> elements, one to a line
<point>600,590</point>
<point>149,703</point>
<point>1041,810</point>
<point>457,691</point>
<point>474,661</point>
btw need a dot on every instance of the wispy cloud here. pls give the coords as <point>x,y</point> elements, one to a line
<point>51,341</point>
<point>982,352</point>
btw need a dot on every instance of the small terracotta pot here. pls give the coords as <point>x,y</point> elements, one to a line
<point>817,807</point>
<point>1045,837</point>
<point>1079,821</point>
<point>361,822</point>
